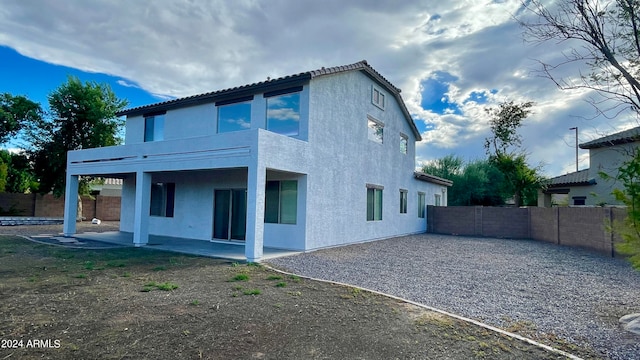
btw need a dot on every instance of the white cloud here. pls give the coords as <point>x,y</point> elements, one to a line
<point>185,47</point>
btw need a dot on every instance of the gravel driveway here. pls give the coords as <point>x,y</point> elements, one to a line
<point>572,293</point>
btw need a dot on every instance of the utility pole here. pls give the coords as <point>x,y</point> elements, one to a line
<point>576,129</point>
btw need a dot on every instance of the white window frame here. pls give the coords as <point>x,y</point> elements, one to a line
<point>378,97</point>
<point>372,125</point>
<point>422,205</point>
<point>156,123</point>
<point>376,212</point>
<point>404,139</point>
<point>404,199</point>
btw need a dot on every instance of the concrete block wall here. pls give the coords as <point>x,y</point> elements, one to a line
<point>456,220</point>
<point>108,207</point>
<point>24,204</point>
<point>48,205</point>
<point>544,224</point>
<point>103,207</point>
<point>585,227</point>
<point>579,227</point>
<point>504,222</point>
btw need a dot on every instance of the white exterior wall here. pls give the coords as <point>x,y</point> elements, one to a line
<point>332,159</point>
<point>338,139</point>
<point>608,160</point>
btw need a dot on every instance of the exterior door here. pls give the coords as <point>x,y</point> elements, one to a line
<point>230,214</point>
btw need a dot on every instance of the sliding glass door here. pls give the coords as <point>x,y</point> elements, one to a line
<point>230,214</point>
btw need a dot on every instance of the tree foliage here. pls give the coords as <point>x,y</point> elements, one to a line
<point>475,183</point>
<point>503,150</point>
<point>83,116</point>
<point>16,112</point>
<point>605,35</point>
<point>16,173</point>
<point>504,123</point>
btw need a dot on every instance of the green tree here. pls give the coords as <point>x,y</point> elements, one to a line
<point>505,121</point>
<point>16,174</point>
<point>475,183</point>
<point>16,112</point>
<point>447,167</point>
<point>605,35</point>
<point>503,149</point>
<point>83,116</point>
<point>520,180</point>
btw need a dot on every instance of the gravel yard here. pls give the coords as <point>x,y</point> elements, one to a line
<point>557,295</point>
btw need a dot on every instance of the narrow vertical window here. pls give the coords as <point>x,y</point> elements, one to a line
<point>374,202</point>
<point>154,128</point>
<point>403,201</point>
<point>377,97</point>
<point>421,205</point>
<point>437,199</point>
<point>375,129</point>
<point>404,143</point>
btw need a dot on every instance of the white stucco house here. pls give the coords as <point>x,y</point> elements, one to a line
<point>306,161</point>
<point>587,187</point>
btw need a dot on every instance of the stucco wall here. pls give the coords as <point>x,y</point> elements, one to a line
<point>332,159</point>
<point>338,138</point>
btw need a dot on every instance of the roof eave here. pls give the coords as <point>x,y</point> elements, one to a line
<point>245,90</point>
<point>432,179</point>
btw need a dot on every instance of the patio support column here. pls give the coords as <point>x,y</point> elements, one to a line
<point>141,209</point>
<point>70,205</point>
<point>256,180</point>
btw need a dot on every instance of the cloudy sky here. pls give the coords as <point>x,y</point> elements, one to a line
<point>452,59</point>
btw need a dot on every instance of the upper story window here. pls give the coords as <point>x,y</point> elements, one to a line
<point>376,129</point>
<point>234,115</point>
<point>377,97</point>
<point>154,128</point>
<point>404,143</point>
<point>283,111</point>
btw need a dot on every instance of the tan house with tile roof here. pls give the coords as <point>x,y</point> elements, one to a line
<point>587,187</point>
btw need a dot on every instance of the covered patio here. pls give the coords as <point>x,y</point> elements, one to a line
<point>231,251</point>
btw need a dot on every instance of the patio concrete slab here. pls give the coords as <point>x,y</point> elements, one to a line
<point>232,251</point>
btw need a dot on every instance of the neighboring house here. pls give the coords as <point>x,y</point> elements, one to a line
<point>587,187</point>
<point>306,161</point>
<point>106,187</point>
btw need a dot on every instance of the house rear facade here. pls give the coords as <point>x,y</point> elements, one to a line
<point>317,159</point>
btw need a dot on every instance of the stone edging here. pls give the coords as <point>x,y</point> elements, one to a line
<point>462,318</point>
<point>29,220</point>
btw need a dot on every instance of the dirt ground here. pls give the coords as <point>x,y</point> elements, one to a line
<point>129,303</point>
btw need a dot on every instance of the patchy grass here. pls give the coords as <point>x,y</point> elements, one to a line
<point>103,314</point>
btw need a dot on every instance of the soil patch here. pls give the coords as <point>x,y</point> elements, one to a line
<point>137,303</point>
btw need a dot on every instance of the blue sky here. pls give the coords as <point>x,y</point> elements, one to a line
<point>20,75</point>
<point>452,59</point>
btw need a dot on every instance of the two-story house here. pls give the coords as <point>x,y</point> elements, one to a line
<point>588,187</point>
<point>317,159</point>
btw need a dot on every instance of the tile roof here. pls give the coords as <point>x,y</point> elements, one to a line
<point>618,138</point>
<point>572,179</point>
<point>292,80</point>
